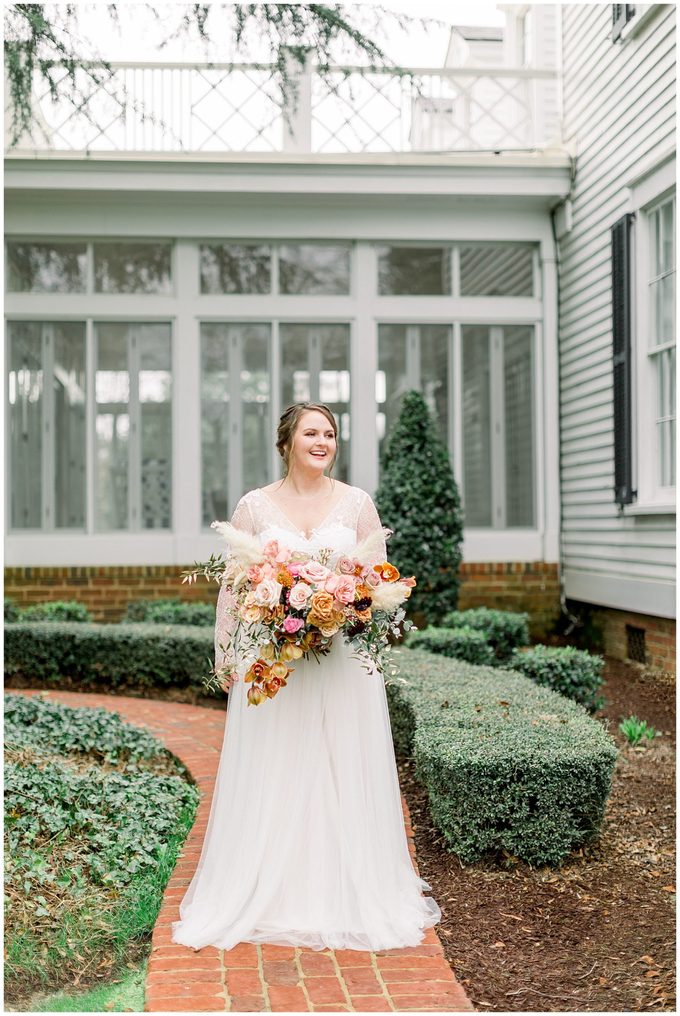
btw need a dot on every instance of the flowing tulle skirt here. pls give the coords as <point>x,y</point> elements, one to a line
<point>305,843</point>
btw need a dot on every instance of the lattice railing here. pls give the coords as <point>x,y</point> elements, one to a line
<point>179,107</point>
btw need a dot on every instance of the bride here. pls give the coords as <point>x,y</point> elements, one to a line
<point>305,843</point>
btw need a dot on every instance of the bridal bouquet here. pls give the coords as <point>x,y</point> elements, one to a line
<point>289,604</point>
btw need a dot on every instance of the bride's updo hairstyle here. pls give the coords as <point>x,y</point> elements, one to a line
<point>288,425</point>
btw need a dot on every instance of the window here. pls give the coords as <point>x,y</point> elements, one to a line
<point>661,338</point>
<point>414,271</point>
<point>621,15</point>
<point>235,268</point>
<point>652,414</point>
<point>313,268</point>
<point>46,267</point>
<point>132,267</point>
<point>498,426</point>
<point>315,368</point>
<point>133,427</point>
<point>496,269</point>
<point>235,413</point>
<point>413,356</point>
<point>47,424</point>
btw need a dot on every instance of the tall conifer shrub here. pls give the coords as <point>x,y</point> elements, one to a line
<point>419,499</point>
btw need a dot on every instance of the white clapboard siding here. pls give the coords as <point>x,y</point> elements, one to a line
<point>619,109</point>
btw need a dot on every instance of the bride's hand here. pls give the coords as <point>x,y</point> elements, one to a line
<point>228,680</point>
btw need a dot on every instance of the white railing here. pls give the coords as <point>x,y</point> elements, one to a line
<point>221,108</point>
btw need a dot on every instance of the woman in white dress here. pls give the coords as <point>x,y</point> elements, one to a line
<point>305,843</point>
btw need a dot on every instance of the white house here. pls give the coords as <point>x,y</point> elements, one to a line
<point>169,292</point>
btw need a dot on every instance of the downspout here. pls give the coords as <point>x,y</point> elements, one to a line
<point>574,620</point>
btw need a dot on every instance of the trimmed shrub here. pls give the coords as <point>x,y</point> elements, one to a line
<point>503,629</point>
<point>418,498</point>
<point>112,655</point>
<point>572,672</point>
<point>507,764</point>
<point>56,610</point>
<point>11,610</point>
<point>459,643</point>
<point>171,612</point>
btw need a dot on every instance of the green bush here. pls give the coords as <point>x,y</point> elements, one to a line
<point>503,629</point>
<point>572,672</point>
<point>11,610</point>
<point>418,499</point>
<point>95,812</point>
<point>507,765</point>
<point>171,612</point>
<point>459,643</point>
<point>110,655</point>
<point>56,610</point>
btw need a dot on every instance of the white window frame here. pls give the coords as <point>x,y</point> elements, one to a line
<point>652,185</point>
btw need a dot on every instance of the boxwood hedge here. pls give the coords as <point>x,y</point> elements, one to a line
<point>507,765</point>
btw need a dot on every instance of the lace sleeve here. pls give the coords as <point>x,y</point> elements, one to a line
<point>368,521</point>
<point>224,623</point>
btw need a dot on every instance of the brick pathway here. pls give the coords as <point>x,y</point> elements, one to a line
<point>265,978</point>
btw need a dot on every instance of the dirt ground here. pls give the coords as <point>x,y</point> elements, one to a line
<point>598,934</point>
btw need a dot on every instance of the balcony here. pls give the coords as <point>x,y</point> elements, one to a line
<point>222,109</point>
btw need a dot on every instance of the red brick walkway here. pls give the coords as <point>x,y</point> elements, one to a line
<point>265,978</point>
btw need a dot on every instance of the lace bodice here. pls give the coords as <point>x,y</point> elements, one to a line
<point>352,517</point>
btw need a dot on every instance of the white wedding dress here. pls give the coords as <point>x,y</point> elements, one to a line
<point>305,843</point>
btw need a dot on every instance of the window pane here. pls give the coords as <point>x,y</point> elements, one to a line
<point>414,271</point>
<point>112,397</point>
<point>434,374</point>
<point>295,376</point>
<point>311,268</point>
<point>256,395</point>
<point>215,421</point>
<point>132,267</point>
<point>235,268</point>
<point>155,405</point>
<point>69,424</point>
<point>476,426</point>
<point>391,380</point>
<point>315,358</point>
<point>334,389</point>
<point>46,267</point>
<point>664,362</point>
<point>25,423</point>
<point>519,429</point>
<point>496,269</point>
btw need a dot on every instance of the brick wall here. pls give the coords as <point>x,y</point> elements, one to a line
<point>532,586</point>
<point>638,638</point>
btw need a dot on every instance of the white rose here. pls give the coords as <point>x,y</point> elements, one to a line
<point>267,593</point>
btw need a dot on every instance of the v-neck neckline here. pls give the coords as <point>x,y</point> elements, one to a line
<point>314,529</point>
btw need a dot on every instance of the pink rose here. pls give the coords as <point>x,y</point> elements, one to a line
<point>346,565</point>
<point>331,583</point>
<point>346,589</point>
<point>294,569</point>
<point>373,579</point>
<point>271,548</point>
<point>293,624</point>
<point>314,571</point>
<point>283,555</point>
<point>255,574</point>
<point>299,595</point>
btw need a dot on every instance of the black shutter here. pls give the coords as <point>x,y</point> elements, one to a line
<point>621,335</point>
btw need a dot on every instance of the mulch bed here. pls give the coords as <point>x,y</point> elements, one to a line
<point>597,934</point>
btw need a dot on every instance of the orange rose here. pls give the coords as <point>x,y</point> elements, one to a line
<point>321,605</point>
<point>363,615</point>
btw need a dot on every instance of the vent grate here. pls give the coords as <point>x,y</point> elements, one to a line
<point>635,638</point>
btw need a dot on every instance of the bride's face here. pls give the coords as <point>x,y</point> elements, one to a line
<point>314,443</point>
